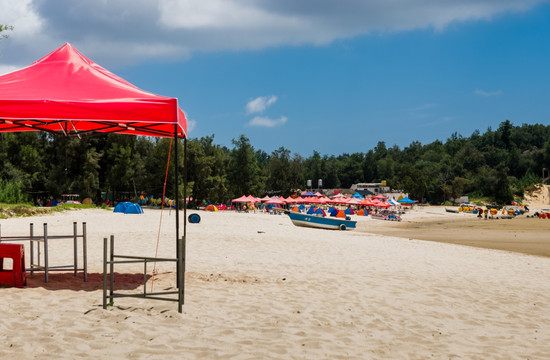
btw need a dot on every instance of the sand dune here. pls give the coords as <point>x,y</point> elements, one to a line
<point>259,287</point>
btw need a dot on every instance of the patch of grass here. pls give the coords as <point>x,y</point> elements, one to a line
<point>23,210</point>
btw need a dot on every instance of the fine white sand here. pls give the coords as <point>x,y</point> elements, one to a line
<point>258,287</point>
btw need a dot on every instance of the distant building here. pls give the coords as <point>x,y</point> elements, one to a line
<point>367,189</point>
<point>375,188</point>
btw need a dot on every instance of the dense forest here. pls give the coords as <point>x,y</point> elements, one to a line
<point>497,164</point>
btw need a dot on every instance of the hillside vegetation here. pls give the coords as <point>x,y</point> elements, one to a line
<point>497,164</point>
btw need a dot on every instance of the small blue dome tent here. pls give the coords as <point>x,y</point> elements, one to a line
<point>121,207</point>
<point>133,209</point>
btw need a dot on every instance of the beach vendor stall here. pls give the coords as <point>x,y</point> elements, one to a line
<point>67,94</point>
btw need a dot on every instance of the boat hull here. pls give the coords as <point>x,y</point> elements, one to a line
<point>385,217</point>
<point>320,222</point>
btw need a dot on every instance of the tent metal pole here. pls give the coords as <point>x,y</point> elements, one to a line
<point>184,238</point>
<point>178,250</point>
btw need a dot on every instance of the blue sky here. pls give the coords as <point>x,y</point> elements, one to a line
<point>331,76</point>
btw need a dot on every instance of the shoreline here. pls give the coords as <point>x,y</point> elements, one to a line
<point>524,235</point>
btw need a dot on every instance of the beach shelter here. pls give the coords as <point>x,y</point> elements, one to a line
<point>290,200</point>
<point>393,202</point>
<point>340,214</point>
<point>52,202</point>
<point>66,93</point>
<point>121,207</point>
<point>406,200</point>
<point>133,208</point>
<point>276,201</point>
<point>362,212</point>
<point>367,202</point>
<point>320,211</point>
<point>312,210</point>
<point>211,208</point>
<point>241,199</point>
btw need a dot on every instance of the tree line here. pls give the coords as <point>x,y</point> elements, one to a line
<point>497,164</point>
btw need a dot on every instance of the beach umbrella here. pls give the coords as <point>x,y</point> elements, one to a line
<point>342,201</point>
<point>276,201</point>
<point>314,200</point>
<point>290,200</point>
<point>381,204</point>
<point>252,199</point>
<point>354,201</point>
<point>367,202</point>
<point>240,199</point>
<point>299,200</point>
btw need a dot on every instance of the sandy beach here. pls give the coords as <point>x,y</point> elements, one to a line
<point>258,287</point>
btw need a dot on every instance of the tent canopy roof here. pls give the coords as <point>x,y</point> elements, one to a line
<point>66,93</point>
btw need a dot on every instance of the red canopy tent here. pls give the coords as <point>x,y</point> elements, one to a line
<point>66,93</point>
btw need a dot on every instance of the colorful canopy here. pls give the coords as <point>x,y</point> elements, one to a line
<point>276,201</point>
<point>66,93</point>
<point>246,199</point>
<point>406,200</point>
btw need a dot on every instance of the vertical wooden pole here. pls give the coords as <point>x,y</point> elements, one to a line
<point>75,248</point>
<point>84,252</point>
<point>47,278</point>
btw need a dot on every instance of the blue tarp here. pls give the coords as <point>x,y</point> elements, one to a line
<point>128,208</point>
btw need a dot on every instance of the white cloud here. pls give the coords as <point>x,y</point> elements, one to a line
<point>219,14</point>
<point>191,125</point>
<point>174,29</point>
<point>487,93</point>
<point>259,104</point>
<point>267,122</point>
<point>21,15</point>
<point>7,69</point>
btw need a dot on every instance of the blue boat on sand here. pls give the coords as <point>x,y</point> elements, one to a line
<point>320,222</point>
